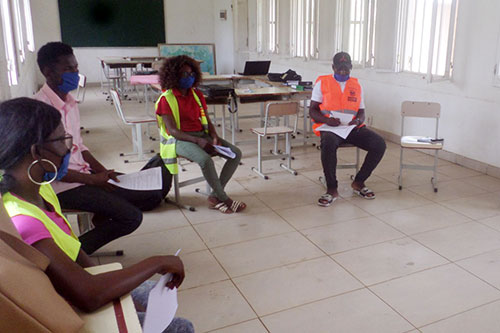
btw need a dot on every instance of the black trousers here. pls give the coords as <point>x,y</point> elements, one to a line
<point>118,212</point>
<point>363,138</point>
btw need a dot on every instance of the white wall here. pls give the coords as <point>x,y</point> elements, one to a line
<point>187,21</point>
<point>470,102</point>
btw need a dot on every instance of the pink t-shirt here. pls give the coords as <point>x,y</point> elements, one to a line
<point>71,122</point>
<point>32,230</point>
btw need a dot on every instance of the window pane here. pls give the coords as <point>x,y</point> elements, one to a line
<point>19,29</point>
<point>29,25</point>
<point>9,42</point>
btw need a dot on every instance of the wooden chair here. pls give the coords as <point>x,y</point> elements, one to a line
<point>277,110</point>
<point>420,110</point>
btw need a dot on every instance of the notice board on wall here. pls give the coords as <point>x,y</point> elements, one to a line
<point>112,23</point>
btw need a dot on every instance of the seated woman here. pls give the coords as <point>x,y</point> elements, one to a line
<point>187,130</point>
<point>34,152</point>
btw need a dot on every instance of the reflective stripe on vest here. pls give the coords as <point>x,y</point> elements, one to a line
<point>336,100</point>
<point>167,142</point>
<point>69,244</point>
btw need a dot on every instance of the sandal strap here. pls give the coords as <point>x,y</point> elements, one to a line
<point>365,190</point>
<point>235,205</point>
<point>222,207</point>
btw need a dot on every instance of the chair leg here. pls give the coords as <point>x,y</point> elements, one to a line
<point>177,200</point>
<point>400,178</point>
<point>288,155</point>
<point>434,178</point>
<point>258,170</point>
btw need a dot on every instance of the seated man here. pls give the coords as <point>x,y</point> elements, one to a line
<point>339,92</point>
<point>117,211</point>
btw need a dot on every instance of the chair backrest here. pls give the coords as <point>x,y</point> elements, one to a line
<point>118,105</point>
<point>420,109</point>
<point>80,91</point>
<point>278,109</point>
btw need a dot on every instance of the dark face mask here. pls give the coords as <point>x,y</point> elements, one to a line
<point>341,78</point>
<point>186,82</point>
<point>70,82</point>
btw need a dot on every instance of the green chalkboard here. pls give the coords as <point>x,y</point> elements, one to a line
<point>108,23</point>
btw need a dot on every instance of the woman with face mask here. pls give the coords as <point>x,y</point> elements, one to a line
<point>34,152</point>
<point>187,131</point>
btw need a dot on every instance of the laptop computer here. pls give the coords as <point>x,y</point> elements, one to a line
<point>256,67</point>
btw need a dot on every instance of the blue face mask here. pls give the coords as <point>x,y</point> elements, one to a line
<point>61,172</point>
<point>70,82</point>
<point>341,78</point>
<point>186,82</point>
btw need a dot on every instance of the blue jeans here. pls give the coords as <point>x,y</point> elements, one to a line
<point>140,295</point>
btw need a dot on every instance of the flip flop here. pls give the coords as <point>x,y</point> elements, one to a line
<point>221,207</point>
<point>237,206</point>
<point>326,200</point>
<point>365,193</point>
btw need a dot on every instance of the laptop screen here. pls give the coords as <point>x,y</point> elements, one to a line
<point>257,67</point>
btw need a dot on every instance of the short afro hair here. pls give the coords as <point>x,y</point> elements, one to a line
<point>49,54</point>
<point>169,72</point>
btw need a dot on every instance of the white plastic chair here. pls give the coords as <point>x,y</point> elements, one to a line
<point>277,110</point>
<point>420,110</point>
<point>136,123</point>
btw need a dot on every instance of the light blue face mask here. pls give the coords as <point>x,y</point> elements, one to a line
<point>61,171</point>
<point>70,82</point>
<point>341,78</point>
<point>186,82</point>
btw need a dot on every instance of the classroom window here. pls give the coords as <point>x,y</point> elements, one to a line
<point>8,36</point>
<point>304,28</point>
<point>273,26</point>
<point>355,30</point>
<point>30,39</point>
<point>260,25</point>
<point>426,37</point>
<point>19,30</point>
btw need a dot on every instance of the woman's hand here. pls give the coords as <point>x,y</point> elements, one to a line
<point>174,266</point>
<point>205,145</point>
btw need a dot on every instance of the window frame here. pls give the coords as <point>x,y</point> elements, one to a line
<point>18,28</point>
<point>28,20</point>
<point>9,42</point>
<point>432,58</point>
<point>304,34</point>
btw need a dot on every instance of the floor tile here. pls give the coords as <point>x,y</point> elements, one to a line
<point>435,294</point>
<point>351,234</point>
<point>279,199</point>
<point>277,289</point>
<point>390,201</point>
<point>242,228</point>
<point>492,222</point>
<point>461,241</point>
<point>477,207</point>
<point>424,218</point>
<point>449,190</point>
<point>484,182</point>
<point>265,253</point>
<point>457,171</point>
<point>313,215</point>
<point>357,311</point>
<point>389,260</point>
<point>252,326</point>
<point>484,319</point>
<point>485,266</point>
<point>162,218</point>
<point>213,306</point>
<point>201,268</point>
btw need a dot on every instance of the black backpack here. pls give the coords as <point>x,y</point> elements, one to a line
<point>166,177</point>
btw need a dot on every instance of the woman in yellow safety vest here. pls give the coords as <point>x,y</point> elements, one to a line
<point>186,130</point>
<point>34,152</point>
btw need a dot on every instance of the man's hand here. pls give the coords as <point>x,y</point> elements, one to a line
<point>205,145</point>
<point>333,121</point>
<point>355,121</point>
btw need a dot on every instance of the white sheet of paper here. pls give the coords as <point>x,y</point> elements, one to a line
<point>144,180</point>
<point>225,151</point>
<point>345,118</point>
<point>342,131</point>
<point>162,305</point>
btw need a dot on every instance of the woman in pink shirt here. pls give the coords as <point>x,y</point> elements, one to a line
<point>34,152</point>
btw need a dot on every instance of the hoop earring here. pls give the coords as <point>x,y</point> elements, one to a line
<point>44,182</point>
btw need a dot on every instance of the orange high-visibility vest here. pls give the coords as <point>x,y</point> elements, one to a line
<point>336,100</point>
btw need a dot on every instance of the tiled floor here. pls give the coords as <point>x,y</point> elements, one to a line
<point>408,261</point>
